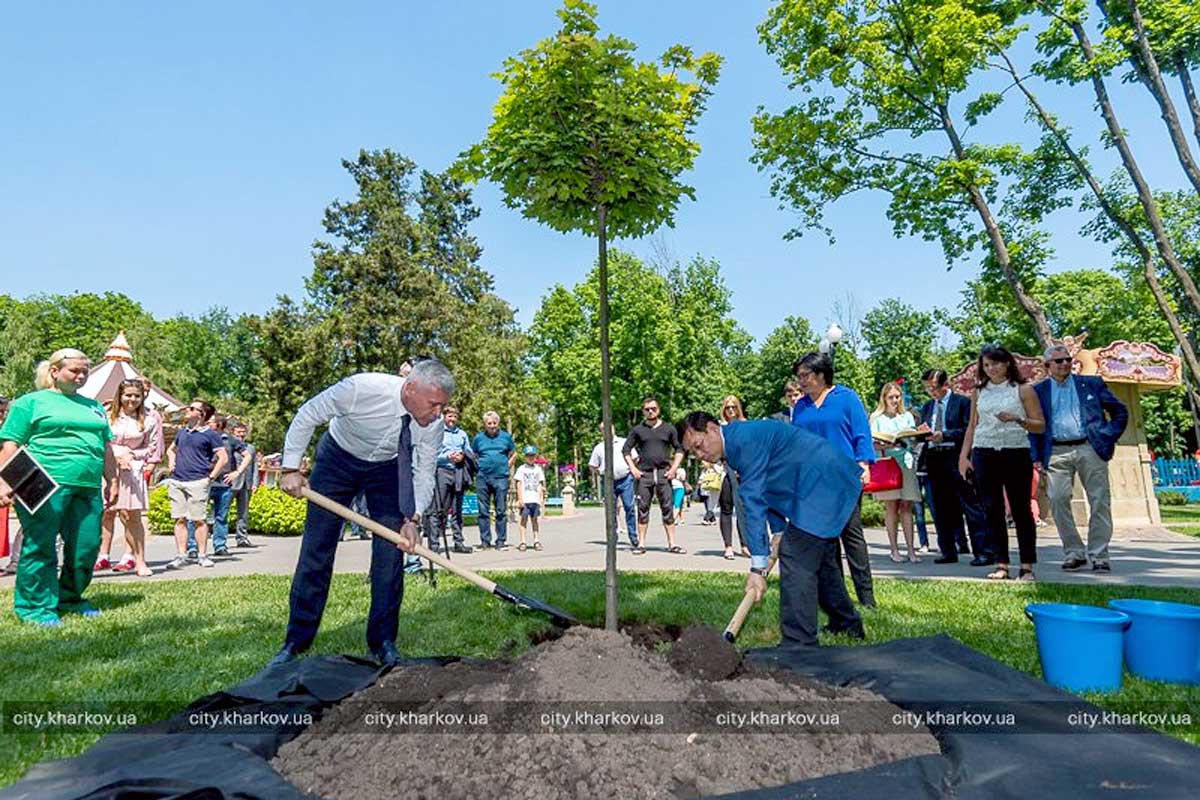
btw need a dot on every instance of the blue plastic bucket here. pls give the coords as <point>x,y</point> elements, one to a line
<point>1080,646</point>
<point>1163,643</point>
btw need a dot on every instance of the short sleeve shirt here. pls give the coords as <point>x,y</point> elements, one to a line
<point>493,453</point>
<point>194,453</point>
<point>531,479</point>
<point>655,446</point>
<point>67,435</point>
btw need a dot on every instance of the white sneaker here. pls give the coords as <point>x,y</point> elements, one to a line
<point>178,562</point>
<point>205,561</point>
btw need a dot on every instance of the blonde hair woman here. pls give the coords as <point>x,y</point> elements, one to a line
<point>891,417</point>
<point>68,434</point>
<point>727,499</point>
<point>136,445</point>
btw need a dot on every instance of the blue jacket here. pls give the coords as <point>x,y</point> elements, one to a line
<point>790,475</point>
<point>1095,400</point>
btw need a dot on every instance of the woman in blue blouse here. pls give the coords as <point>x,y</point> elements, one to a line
<point>836,414</point>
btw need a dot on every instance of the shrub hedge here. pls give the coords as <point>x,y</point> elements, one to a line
<point>271,511</point>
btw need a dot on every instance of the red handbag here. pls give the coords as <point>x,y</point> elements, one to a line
<point>885,476</point>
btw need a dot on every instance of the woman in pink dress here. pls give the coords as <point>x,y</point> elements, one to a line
<point>136,444</point>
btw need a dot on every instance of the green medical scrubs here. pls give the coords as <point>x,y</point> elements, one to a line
<point>67,434</point>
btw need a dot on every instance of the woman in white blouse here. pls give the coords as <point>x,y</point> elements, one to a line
<point>1004,411</point>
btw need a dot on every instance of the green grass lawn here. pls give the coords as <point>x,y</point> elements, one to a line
<point>1185,519</point>
<point>171,642</point>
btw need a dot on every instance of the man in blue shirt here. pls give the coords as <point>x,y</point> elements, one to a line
<point>1084,420</point>
<point>452,461</point>
<point>802,486</point>
<point>496,451</point>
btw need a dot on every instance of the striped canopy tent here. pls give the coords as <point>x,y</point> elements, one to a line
<point>117,366</point>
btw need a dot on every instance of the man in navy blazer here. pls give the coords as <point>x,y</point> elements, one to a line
<point>1084,420</point>
<point>947,415</point>
<point>798,483</point>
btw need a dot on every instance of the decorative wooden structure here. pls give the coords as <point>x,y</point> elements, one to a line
<point>1129,369</point>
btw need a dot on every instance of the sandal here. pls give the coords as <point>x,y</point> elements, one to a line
<point>521,547</point>
<point>999,574</point>
<point>537,545</point>
<point>913,559</point>
<point>896,559</point>
<point>145,572</point>
<point>676,549</point>
<point>1026,575</point>
<point>729,556</point>
<point>638,551</point>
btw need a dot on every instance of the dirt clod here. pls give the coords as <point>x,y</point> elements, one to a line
<point>702,652</point>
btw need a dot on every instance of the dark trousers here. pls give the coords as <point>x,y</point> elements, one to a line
<point>340,476</point>
<point>856,556</point>
<point>954,497</point>
<point>810,576</point>
<point>997,471</point>
<point>654,484</point>
<point>241,497</point>
<point>492,491</point>
<point>727,502</point>
<point>447,509</point>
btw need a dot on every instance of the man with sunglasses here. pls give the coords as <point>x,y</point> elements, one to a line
<point>1084,420</point>
<point>658,456</point>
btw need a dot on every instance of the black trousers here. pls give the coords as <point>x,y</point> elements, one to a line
<point>810,576</point>
<point>857,557</point>
<point>340,477</point>
<point>446,510</point>
<point>1007,470</point>
<point>654,483</point>
<point>953,497</point>
<point>727,501</point>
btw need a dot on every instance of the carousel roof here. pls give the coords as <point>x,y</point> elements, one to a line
<point>117,366</point>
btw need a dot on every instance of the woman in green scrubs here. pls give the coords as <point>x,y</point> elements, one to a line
<point>68,434</point>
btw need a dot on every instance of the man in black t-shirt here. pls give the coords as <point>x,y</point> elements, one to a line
<point>658,456</point>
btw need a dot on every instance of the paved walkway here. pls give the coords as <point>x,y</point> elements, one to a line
<point>1142,556</point>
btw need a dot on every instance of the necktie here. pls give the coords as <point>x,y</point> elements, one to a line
<point>937,415</point>
<point>408,500</point>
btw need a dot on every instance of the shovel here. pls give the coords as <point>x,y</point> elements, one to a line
<point>743,609</point>
<point>560,617</point>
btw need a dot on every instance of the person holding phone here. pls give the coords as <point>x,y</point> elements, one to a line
<point>1004,411</point>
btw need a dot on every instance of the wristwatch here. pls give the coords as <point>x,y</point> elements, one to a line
<point>760,571</point>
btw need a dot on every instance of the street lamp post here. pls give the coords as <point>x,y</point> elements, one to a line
<point>829,341</point>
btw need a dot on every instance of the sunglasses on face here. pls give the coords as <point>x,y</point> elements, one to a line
<point>1060,360</point>
<point>648,409</point>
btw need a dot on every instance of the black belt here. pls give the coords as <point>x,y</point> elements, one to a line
<point>950,446</point>
<point>1069,442</point>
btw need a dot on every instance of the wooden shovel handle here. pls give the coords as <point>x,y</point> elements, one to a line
<point>743,609</point>
<point>384,532</point>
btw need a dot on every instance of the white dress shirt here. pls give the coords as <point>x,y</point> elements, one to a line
<point>365,414</point>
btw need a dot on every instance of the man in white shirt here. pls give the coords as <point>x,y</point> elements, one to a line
<point>622,482</point>
<point>383,438</point>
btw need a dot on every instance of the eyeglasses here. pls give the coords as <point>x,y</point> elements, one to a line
<point>197,410</point>
<point>803,374</point>
<point>731,408</point>
<point>1066,360</point>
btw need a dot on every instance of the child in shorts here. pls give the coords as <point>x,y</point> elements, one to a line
<point>531,482</point>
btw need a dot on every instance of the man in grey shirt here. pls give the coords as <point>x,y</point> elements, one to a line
<point>244,481</point>
<point>383,438</point>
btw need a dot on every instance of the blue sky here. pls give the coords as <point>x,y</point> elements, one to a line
<point>184,153</point>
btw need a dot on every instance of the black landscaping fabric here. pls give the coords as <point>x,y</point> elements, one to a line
<point>169,760</point>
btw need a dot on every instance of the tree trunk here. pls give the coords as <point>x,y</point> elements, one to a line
<point>1153,80</point>
<point>610,501</point>
<point>999,246</point>
<point>1189,92</point>
<point>1135,239</point>
<point>1145,197</point>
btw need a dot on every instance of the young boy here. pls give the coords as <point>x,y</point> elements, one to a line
<point>532,482</point>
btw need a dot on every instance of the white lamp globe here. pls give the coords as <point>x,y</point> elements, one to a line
<point>834,334</point>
